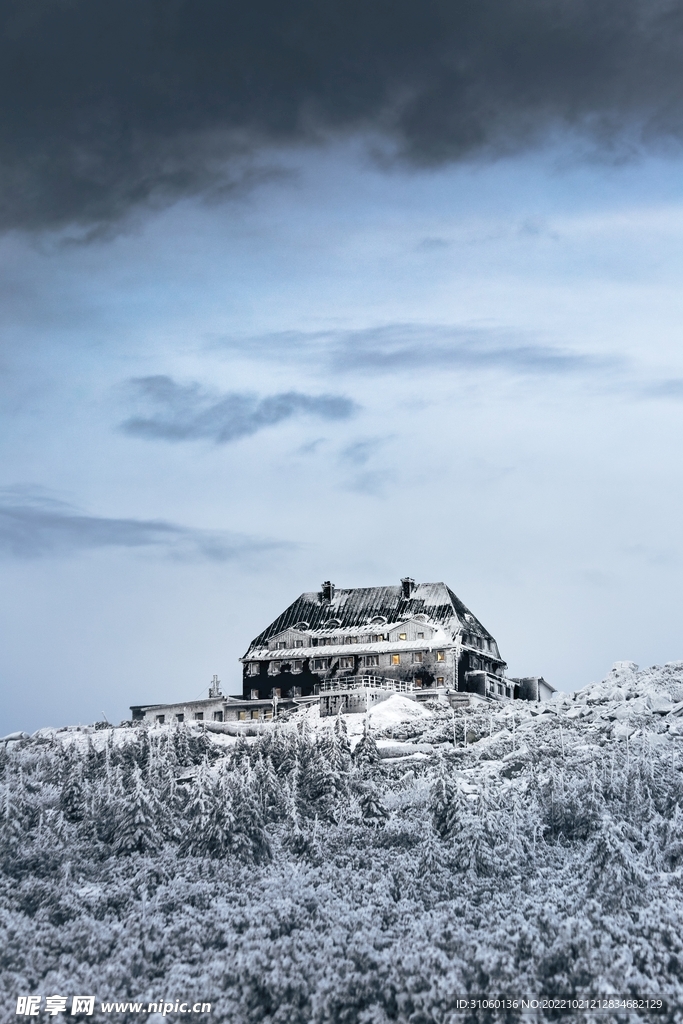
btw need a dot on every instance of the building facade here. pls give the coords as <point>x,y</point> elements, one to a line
<point>419,634</point>
<point>350,648</point>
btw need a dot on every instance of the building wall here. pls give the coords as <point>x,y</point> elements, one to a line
<point>190,711</point>
<point>427,668</point>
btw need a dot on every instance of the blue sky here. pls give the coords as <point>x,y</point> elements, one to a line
<point>348,367</point>
<point>489,380</point>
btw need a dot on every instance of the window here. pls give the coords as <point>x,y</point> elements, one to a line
<point>353,640</point>
<point>440,655</point>
<point>439,680</point>
<point>253,668</point>
<point>218,716</point>
<point>377,638</point>
<point>274,668</point>
<point>243,716</point>
<point>161,719</point>
<point>395,659</point>
<point>254,694</point>
<point>298,643</point>
<point>403,636</point>
<point>507,691</point>
<point>298,666</point>
<point>417,657</point>
<point>420,636</point>
<point>500,689</point>
<point>320,664</point>
<point>180,718</point>
<point>276,692</point>
<point>295,691</point>
<point>256,714</point>
<point>281,645</point>
<point>199,716</point>
<point>371,660</point>
<point>346,663</point>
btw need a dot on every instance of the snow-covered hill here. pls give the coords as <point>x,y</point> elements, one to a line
<point>373,868</point>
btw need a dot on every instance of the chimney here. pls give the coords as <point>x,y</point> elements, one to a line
<point>407,586</point>
<point>328,591</point>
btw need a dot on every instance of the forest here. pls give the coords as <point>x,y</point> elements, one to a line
<point>299,878</point>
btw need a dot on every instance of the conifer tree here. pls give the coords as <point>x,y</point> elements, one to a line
<point>137,831</point>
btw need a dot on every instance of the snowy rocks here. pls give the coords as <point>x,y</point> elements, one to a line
<point>620,668</point>
<point>659,703</point>
<point>622,730</point>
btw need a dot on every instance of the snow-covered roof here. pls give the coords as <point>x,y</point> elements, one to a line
<point>354,609</point>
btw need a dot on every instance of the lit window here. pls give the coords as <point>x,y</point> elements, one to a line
<point>440,655</point>
<point>256,714</point>
<point>395,659</point>
<point>180,718</point>
<point>218,716</point>
<point>254,694</point>
<point>403,636</point>
<point>417,657</point>
<point>243,716</point>
<point>371,660</point>
<point>199,716</point>
<point>161,719</point>
<point>276,692</point>
<point>439,680</point>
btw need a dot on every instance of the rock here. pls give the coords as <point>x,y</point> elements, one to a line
<point>624,667</point>
<point>659,703</point>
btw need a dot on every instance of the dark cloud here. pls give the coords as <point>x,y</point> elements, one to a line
<point>109,105</point>
<point>187,412</point>
<point>397,348</point>
<point>35,525</point>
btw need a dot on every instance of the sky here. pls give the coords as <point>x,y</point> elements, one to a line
<point>348,291</point>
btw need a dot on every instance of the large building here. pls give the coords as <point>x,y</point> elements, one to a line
<point>419,634</point>
<point>348,648</point>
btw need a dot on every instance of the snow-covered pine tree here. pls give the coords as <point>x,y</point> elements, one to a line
<point>137,831</point>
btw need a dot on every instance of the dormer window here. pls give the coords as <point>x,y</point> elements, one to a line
<point>298,643</point>
<point>403,636</point>
<point>281,645</point>
<point>420,636</point>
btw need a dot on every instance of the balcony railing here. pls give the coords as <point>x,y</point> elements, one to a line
<point>366,683</point>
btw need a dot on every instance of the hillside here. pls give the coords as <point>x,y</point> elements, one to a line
<point>341,870</point>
